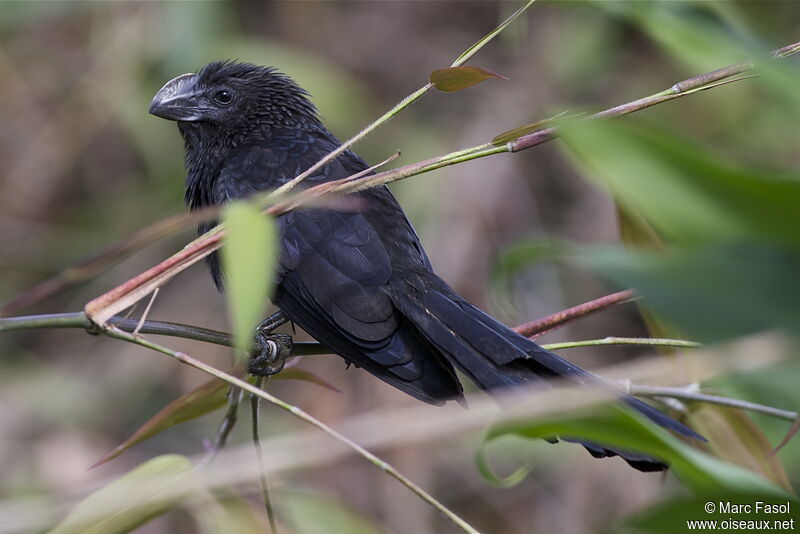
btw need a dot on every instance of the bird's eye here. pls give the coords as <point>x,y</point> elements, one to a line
<point>223,97</point>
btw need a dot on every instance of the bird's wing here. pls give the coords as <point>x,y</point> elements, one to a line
<point>334,274</point>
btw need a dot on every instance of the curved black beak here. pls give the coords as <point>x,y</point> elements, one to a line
<point>177,101</point>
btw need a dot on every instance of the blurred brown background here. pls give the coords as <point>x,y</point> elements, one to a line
<point>83,165</point>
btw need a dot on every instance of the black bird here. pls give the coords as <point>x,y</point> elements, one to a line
<point>359,282</point>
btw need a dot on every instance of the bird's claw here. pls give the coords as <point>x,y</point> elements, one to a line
<point>274,350</point>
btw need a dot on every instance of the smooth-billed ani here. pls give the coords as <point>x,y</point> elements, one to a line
<point>358,281</point>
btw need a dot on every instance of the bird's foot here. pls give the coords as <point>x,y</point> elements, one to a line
<point>274,350</point>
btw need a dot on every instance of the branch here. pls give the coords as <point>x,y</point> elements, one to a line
<point>689,393</point>
<point>541,326</point>
<point>400,106</point>
<point>105,260</point>
<point>160,328</point>
<point>119,298</point>
<point>300,414</point>
<point>619,341</point>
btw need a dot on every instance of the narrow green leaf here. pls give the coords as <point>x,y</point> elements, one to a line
<point>249,253</point>
<point>711,292</point>
<point>128,502</point>
<point>733,435</point>
<point>616,426</point>
<point>688,193</point>
<point>457,78</point>
<point>509,481</point>
<point>472,50</point>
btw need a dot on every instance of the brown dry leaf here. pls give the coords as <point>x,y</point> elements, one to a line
<point>202,400</point>
<point>457,78</point>
<point>734,438</point>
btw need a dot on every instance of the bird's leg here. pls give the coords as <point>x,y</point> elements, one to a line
<point>273,349</point>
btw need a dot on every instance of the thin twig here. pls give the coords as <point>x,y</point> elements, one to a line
<point>619,341</point>
<point>689,394</point>
<point>225,426</point>
<point>400,106</point>
<point>300,414</point>
<point>143,318</point>
<point>541,326</point>
<point>262,477</point>
<point>104,260</point>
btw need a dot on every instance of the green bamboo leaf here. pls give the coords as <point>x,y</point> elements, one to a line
<point>616,426</point>
<point>457,78</point>
<point>248,260</point>
<point>689,194</point>
<point>509,481</point>
<point>129,501</point>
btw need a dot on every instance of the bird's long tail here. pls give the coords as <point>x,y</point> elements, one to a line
<point>496,357</point>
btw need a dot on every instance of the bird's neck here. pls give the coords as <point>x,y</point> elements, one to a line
<point>205,153</point>
<point>208,150</point>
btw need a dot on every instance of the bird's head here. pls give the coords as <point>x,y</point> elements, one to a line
<point>234,96</point>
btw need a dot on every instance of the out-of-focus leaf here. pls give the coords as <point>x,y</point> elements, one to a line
<point>522,255</point>
<point>687,193</point>
<point>458,78</point>
<point>734,437</point>
<point>202,400</point>
<point>616,426</point>
<point>128,502</point>
<point>230,514</point>
<point>514,259</point>
<point>317,514</point>
<point>248,260</point>
<point>674,515</point>
<point>635,231</point>
<point>713,292</point>
<point>700,41</point>
<point>508,481</point>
